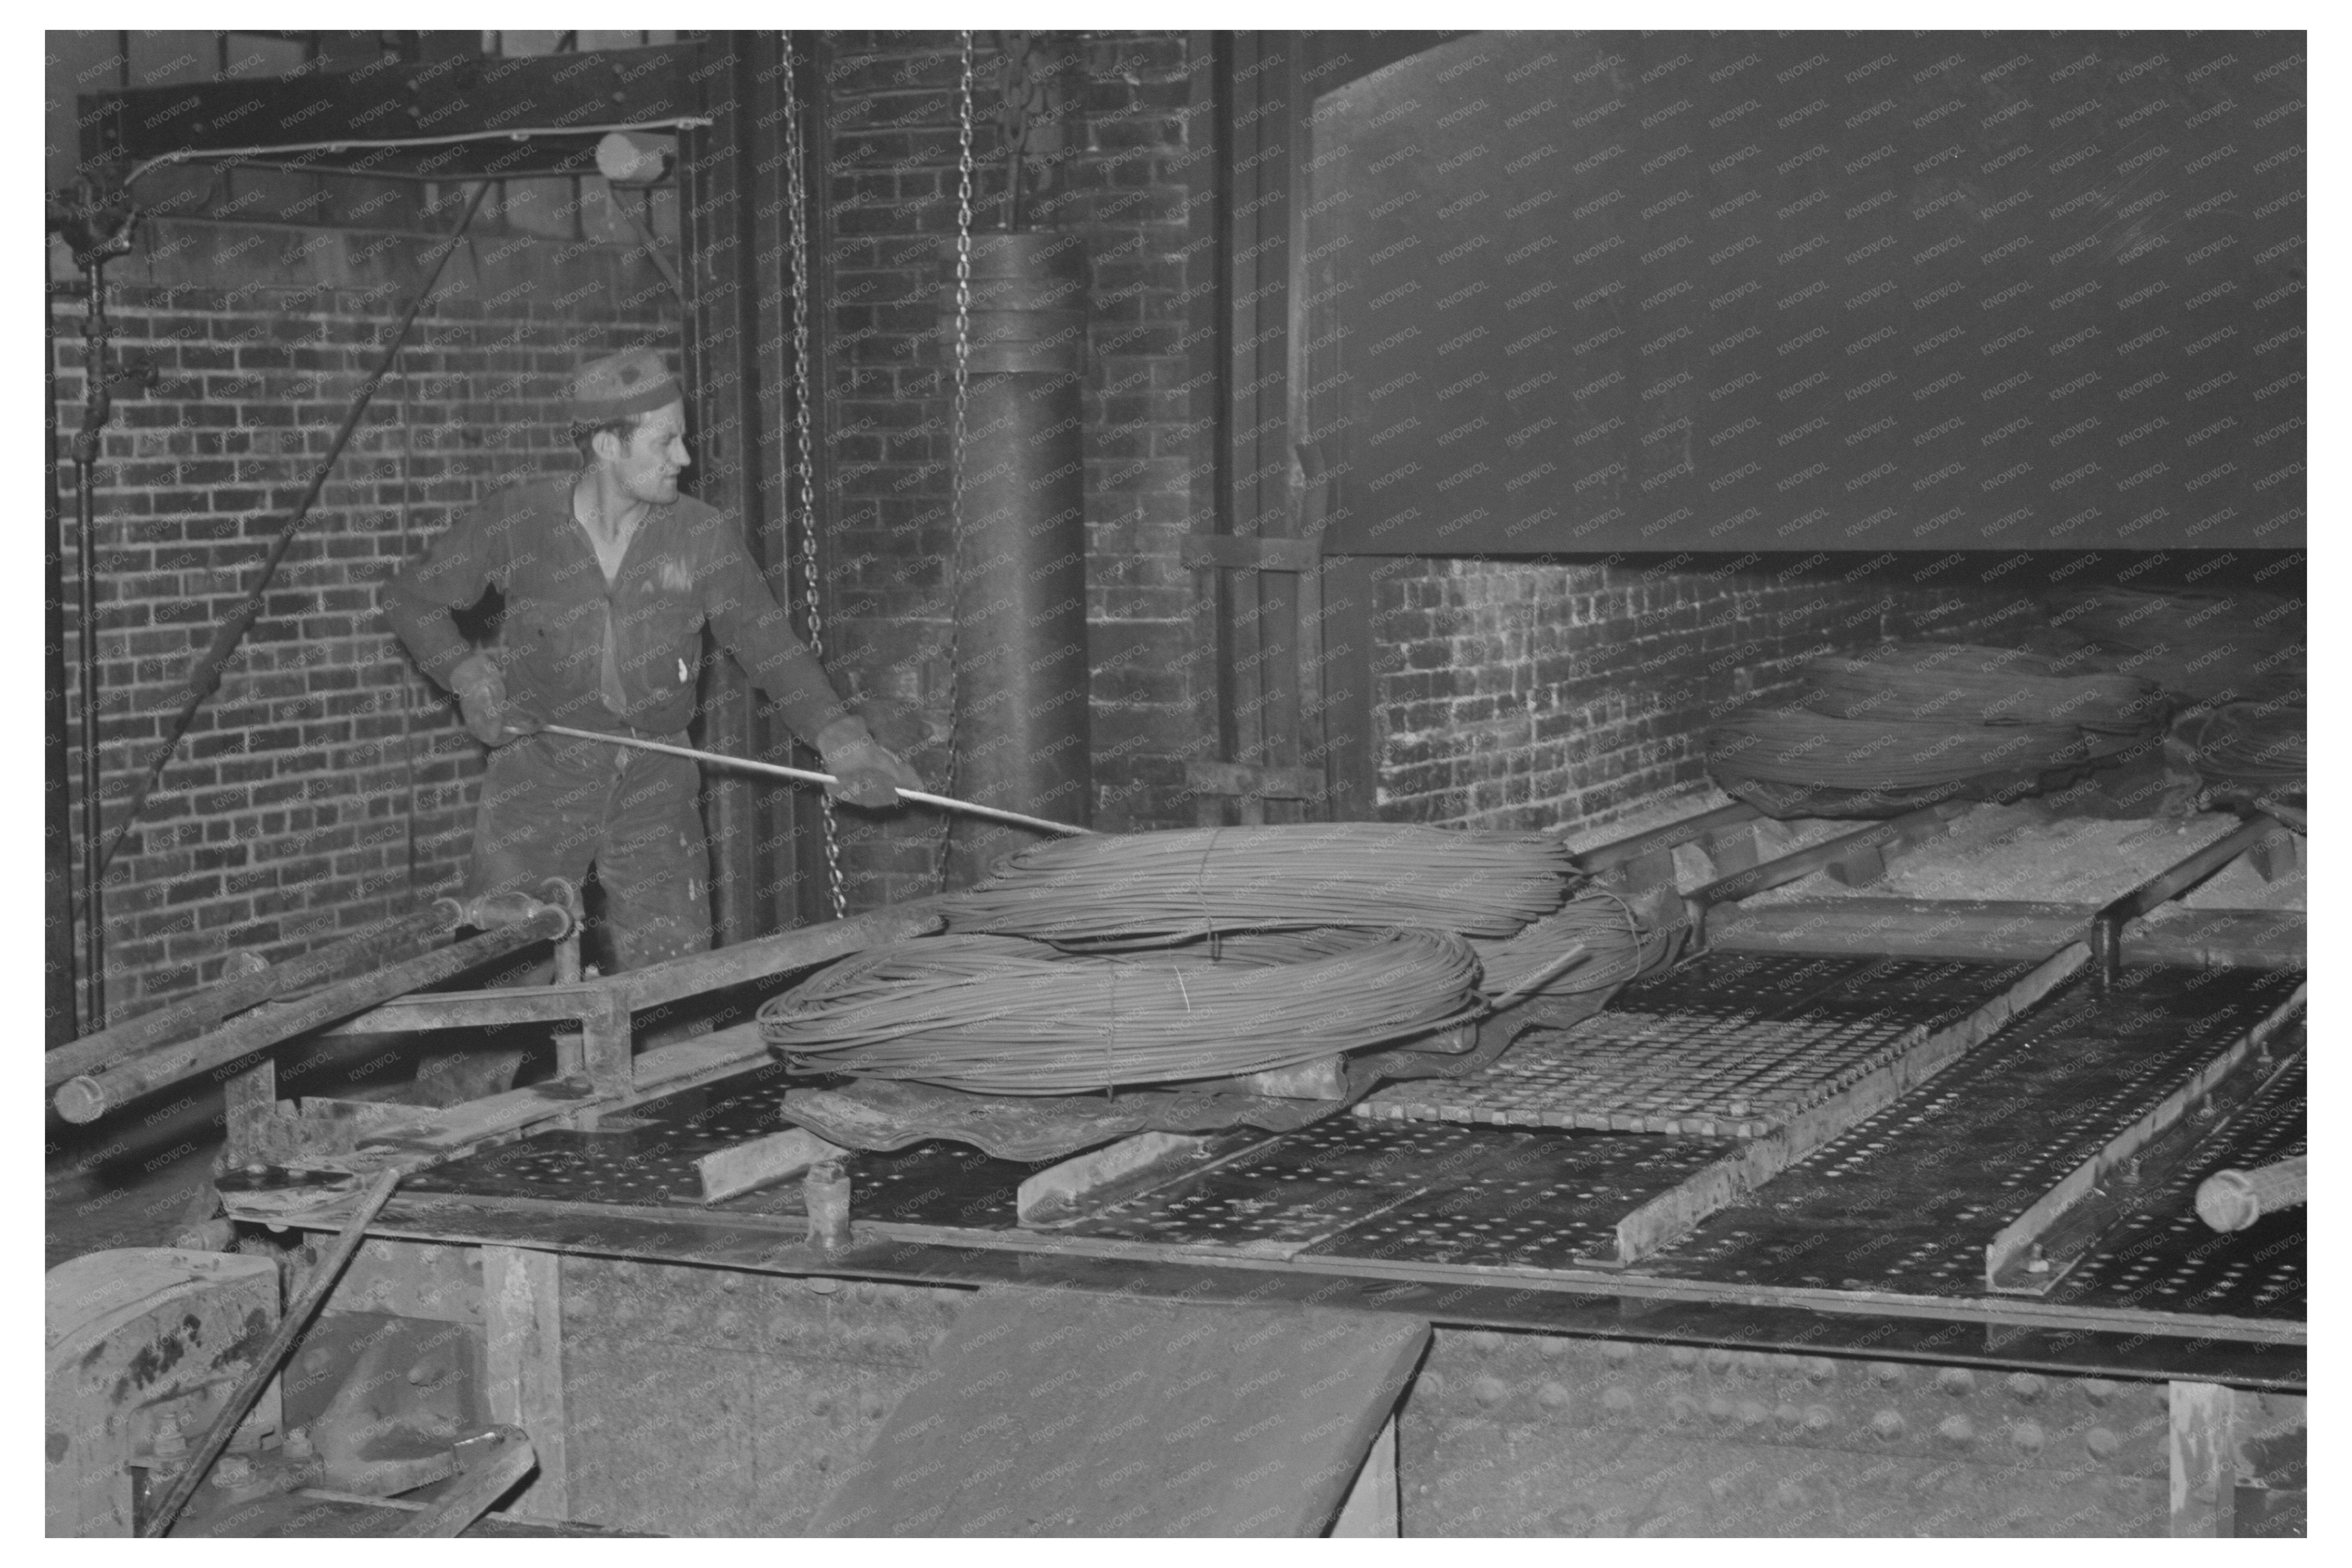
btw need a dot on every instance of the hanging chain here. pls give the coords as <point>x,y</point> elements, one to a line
<point>796,202</point>
<point>963,406</point>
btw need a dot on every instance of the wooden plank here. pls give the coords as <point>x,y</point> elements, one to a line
<point>1892,835</point>
<point>1673,1214</point>
<point>2010,1256</point>
<point>731,1173</point>
<point>2204,1460</point>
<point>523,1323</point>
<point>1233,552</point>
<point>1111,1416</point>
<point>251,1103</point>
<point>1087,1181</point>
<point>1702,826</point>
<point>1371,1510</point>
<point>1325,1078</point>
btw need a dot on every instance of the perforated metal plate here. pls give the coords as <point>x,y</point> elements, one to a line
<point>1423,1191</point>
<point>1907,1199</point>
<point>646,1156</point>
<point>1730,1044</point>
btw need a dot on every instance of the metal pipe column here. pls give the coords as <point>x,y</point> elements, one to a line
<point>1021,665</point>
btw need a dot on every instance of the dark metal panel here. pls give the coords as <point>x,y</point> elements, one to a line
<point>1739,291</point>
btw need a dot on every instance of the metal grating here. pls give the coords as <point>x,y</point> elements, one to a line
<point>1419,1191</point>
<point>1731,1044</point>
<point>646,1155</point>
<point>1907,1199</point>
<point>2164,1256</point>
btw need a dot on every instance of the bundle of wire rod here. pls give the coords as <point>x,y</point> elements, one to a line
<point>1145,888</point>
<point>995,1015</point>
<point>1962,683</point>
<point>2211,645</point>
<point>1593,942</point>
<point>2264,744</point>
<point>1794,745</point>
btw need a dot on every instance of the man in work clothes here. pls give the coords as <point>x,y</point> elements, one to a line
<point>609,576</point>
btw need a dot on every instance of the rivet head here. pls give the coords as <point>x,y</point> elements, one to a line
<point>1551,1347</point>
<point>871,1406</point>
<point>1751,1413</point>
<point>821,1406</point>
<point>1490,1391</point>
<point>1718,1358</point>
<point>1552,1396</point>
<point>2098,1390</point>
<point>2026,1387</point>
<point>1682,1355</point>
<point>1886,1371</point>
<point>1619,1350</point>
<point>1789,1494</point>
<point>1887,1425</point>
<point>1955,1380</point>
<point>1957,1431</point>
<point>2102,1443</point>
<point>1789,1416</point>
<point>730,1323</point>
<point>1618,1400</point>
<point>1718,1409</point>
<point>1682,1410</point>
<point>1820,1368</point>
<point>1820,1419</point>
<point>2027,1436</point>
<point>1781,1361</point>
<point>1483,1341</point>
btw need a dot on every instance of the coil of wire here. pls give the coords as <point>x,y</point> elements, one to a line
<point>1130,890</point>
<point>1962,683</point>
<point>1795,745</point>
<point>998,1015</point>
<point>2266,744</point>
<point>1593,942</point>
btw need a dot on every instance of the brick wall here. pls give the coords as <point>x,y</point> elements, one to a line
<point>1524,695</point>
<point>326,784</point>
<point>1114,175</point>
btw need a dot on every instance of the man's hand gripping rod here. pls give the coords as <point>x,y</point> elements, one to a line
<point>807,775</point>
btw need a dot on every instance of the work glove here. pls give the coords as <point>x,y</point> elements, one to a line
<point>865,772</point>
<point>482,699</point>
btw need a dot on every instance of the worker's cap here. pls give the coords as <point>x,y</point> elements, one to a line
<point>614,387</point>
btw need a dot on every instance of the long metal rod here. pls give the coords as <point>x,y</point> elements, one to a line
<point>265,1366</point>
<point>809,776</point>
<point>369,950</point>
<point>91,1096</point>
<point>2107,925</point>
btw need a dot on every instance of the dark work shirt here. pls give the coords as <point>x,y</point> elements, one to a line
<point>686,568</point>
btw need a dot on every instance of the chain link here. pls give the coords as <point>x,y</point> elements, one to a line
<point>796,201</point>
<point>963,404</point>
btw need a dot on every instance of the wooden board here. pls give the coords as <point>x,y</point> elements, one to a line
<point>1057,1414</point>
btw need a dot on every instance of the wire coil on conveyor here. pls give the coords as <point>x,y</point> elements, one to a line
<point>1960,683</point>
<point>2263,744</point>
<point>1594,943</point>
<point>998,1015</point>
<point>1146,888</point>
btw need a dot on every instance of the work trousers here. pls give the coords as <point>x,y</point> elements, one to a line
<point>553,806</point>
